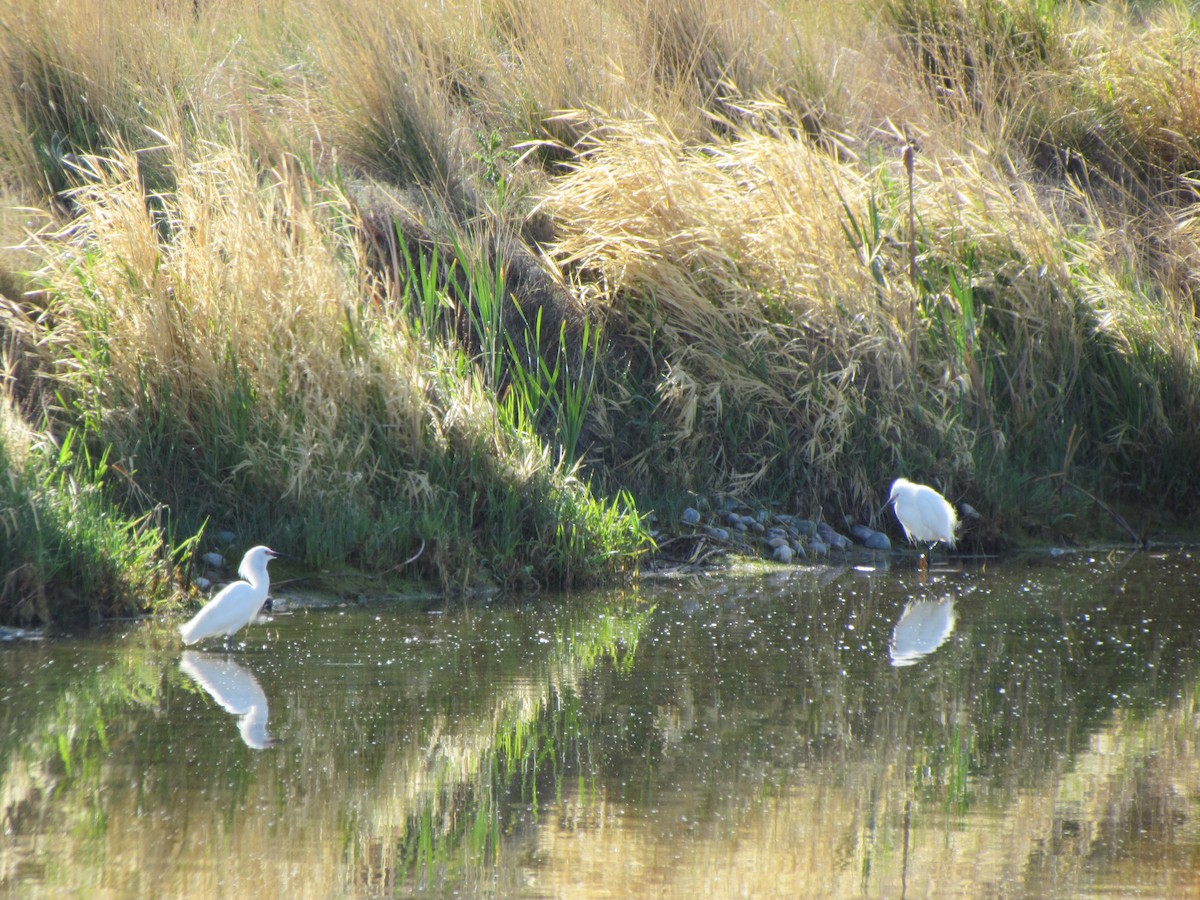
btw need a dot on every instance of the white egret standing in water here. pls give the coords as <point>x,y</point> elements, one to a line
<point>237,604</point>
<point>925,515</point>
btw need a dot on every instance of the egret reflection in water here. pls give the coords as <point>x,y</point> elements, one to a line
<point>923,627</point>
<point>237,691</point>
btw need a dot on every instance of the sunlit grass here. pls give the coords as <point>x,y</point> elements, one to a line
<point>219,336</point>
<point>351,276</point>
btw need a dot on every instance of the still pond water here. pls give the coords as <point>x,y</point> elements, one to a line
<point>1025,728</point>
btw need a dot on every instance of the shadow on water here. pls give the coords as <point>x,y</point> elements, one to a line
<point>1025,728</point>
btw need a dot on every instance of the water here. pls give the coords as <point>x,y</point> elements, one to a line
<point>1026,728</point>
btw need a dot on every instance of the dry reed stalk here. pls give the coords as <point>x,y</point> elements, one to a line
<point>391,76</point>
<point>251,298</point>
<point>742,249</point>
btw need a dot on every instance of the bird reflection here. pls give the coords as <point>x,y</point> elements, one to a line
<point>237,691</point>
<point>923,627</point>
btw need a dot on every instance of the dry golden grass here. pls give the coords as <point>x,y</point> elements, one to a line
<point>229,340</point>
<point>719,184</point>
<point>232,330</point>
<point>728,256</point>
<point>758,301</point>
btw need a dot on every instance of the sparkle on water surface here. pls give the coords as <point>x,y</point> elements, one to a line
<point>1019,728</point>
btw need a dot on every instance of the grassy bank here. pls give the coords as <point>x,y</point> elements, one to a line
<point>503,278</point>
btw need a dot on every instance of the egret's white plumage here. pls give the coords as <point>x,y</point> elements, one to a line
<point>237,604</point>
<point>924,514</point>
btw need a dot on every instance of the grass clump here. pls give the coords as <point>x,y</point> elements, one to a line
<point>764,324</point>
<point>222,337</point>
<point>70,554</point>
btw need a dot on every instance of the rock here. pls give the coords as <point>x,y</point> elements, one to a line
<point>878,541</point>
<point>805,527</point>
<point>202,583</point>
<point>226,537</point>
<point>776,542</point>
<point>783,554</point>
<point>817,547</point>
<point>216,560</point>
<point>838,541</point>
<point>861,533</point>
<point>691,516</point>
<point>719,533</point>
<point>968,511</point>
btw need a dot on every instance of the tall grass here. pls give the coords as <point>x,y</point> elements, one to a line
<point>772,342</point>
<point>70,554</point>
<point>397,270</point>
<point>219,337</point>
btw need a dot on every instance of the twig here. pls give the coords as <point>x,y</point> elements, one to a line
<point>698,553</point>
<point>907,156</point>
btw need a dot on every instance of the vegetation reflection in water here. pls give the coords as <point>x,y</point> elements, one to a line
<point>1025,729</point>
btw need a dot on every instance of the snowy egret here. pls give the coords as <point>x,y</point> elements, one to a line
<point>237,604</point>
<point>925,514</point>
